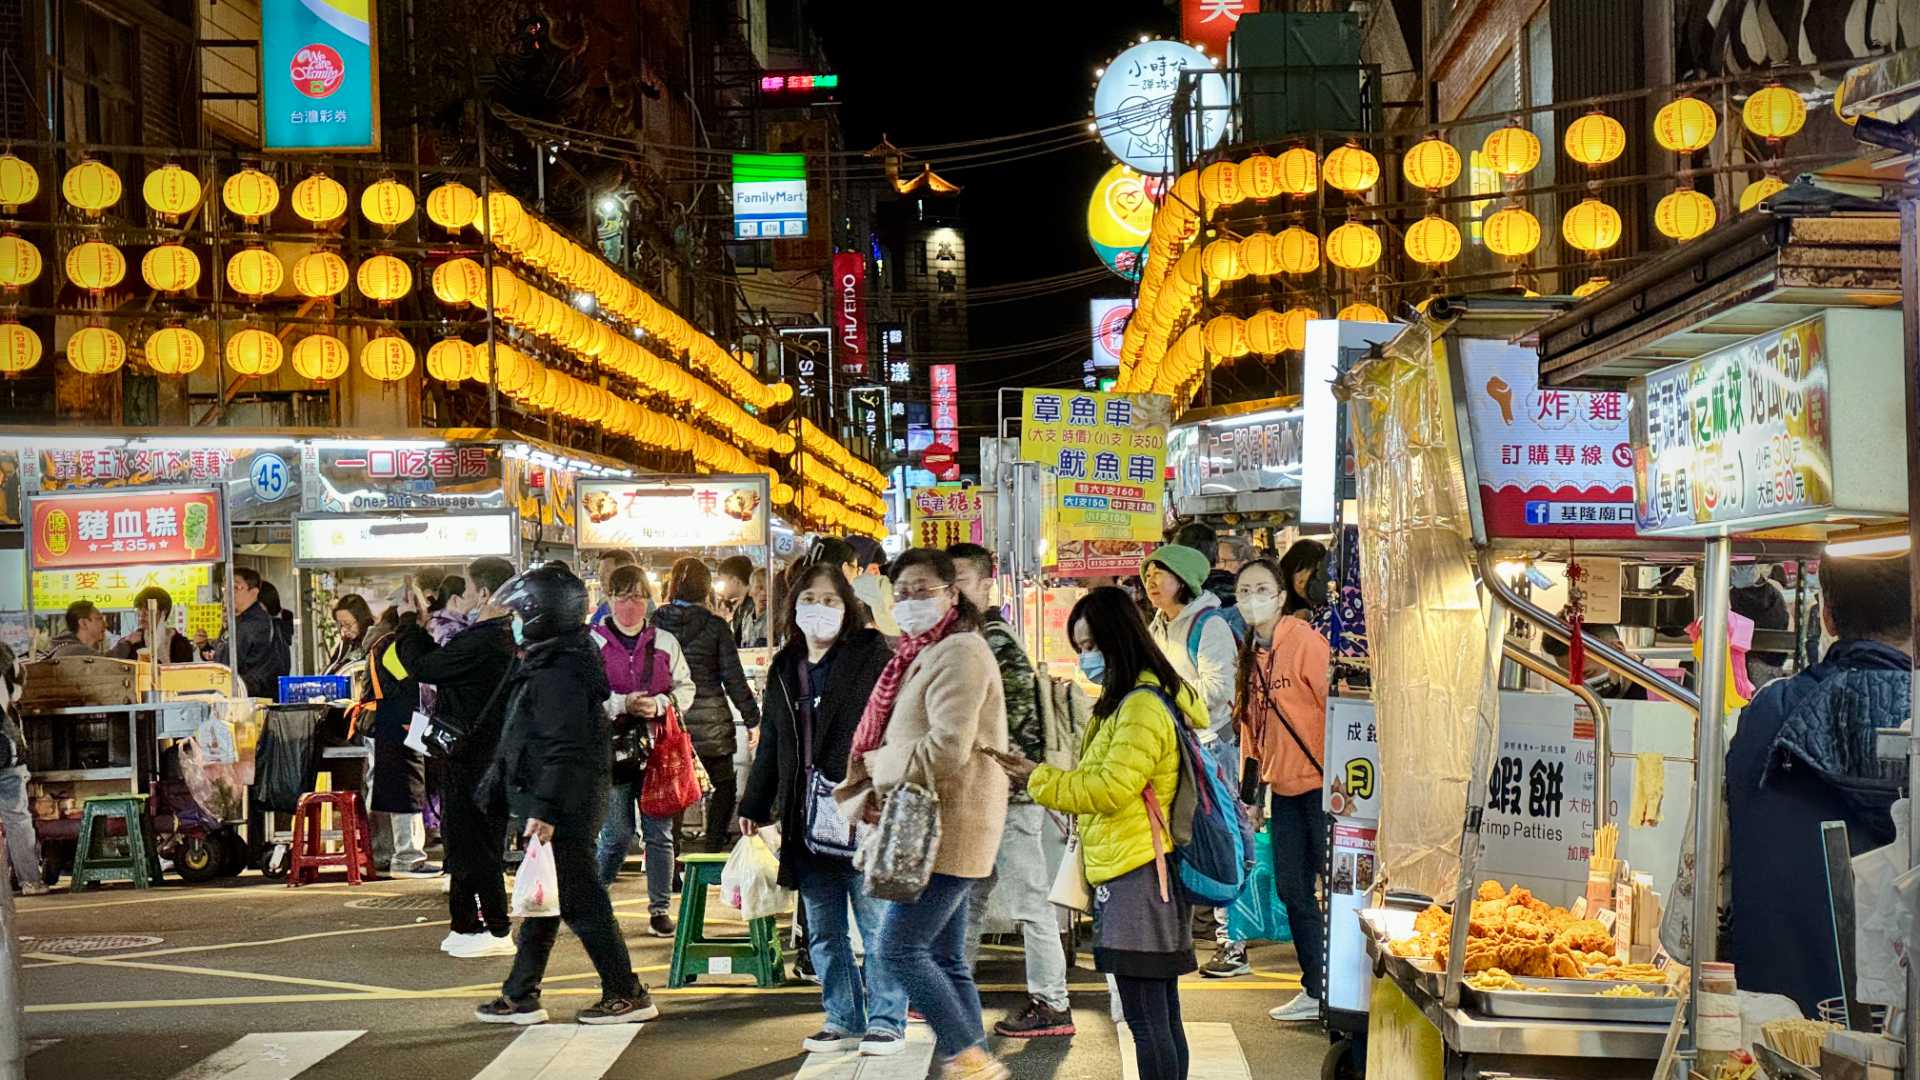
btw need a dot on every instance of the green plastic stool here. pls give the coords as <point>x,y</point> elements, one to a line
<point>695,954</point>
<point>141,863</point>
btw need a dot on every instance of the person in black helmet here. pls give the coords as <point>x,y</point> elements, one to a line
<point>552,769</point>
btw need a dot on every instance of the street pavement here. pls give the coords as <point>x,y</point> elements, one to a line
<point>250,980</point>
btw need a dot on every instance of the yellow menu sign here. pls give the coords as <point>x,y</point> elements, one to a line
<point>113,588</point>
<point>1109,453</point>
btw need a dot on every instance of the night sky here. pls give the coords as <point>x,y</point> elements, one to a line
<point>1026,66</point>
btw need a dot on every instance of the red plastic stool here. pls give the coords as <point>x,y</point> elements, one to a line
<point>308,850</point>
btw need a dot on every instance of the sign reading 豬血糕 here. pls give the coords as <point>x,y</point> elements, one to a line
<point>946,514</point>
<point>124,528</point>
<point>319,75</point>
<point>373,476</point>
<point>769,196</point>
<point>693,512</point>
<point>1109,454</point>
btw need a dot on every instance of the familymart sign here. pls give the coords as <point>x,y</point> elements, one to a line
<point>769,196</point>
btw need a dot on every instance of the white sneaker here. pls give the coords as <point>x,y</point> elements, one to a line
<point>1304,1006</point>
<point>454,937</point>
<point>477,945</point>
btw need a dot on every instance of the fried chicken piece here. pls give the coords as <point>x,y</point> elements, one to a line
<point>1527,958</point>
<point>1566,967</point>
<point>1491,890</point>
<point>1587,935</point>
<point>1432,921</point>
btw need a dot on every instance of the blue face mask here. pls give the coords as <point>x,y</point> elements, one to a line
<point>519,630</point>
<point>1093,665</point>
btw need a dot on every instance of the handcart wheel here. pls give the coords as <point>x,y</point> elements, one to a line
<point>1345,1060</point>
<point>275,862</point>
<point>200,859</point>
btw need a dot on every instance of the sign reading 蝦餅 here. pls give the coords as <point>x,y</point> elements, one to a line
<point>1109,453</point>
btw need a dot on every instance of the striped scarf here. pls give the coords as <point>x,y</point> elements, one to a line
<point>879,712</point>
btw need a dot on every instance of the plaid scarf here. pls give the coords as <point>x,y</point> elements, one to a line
<point>873,722</point>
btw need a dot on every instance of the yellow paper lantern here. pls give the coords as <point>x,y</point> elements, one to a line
<point>1589,287</point>
<point>1188,271</point>
<point>175,350</point>
<point>1351,169</point>
<point>1595,139</point>
<point>20,262</point>
<point>19,185</point>
<point>1511,232</point>
<point>319,199</point>
<point>1361,311</point>
<point>1353,246</point>
<point>1760,191</point>
<point>1293,323</point>
<point>170,268</point>
<point>320,358</point>
<point>1222,259</point>
<point>1259,177</point>
<point>459,282</point>
<point>319,274</point>
<point>1298,250</point>
<point>1774,113</point>
<point>1220,185</point>
<point>253,353</point>
<point>498,215</point>
<point>387,359</point>
<point>91,186</point>
<point>1512,151</point>
<point>1591,226</point>
<point>1227,336</point>
<point>171,190</point>
<point>1432,240</point>
<point>508,293</point>
<point>255,272</point>
<point>1299,170</point>
<point>96,266</point>
<point>450,360</point>
<point>251,194</point>
<point>1266,332</point>
<point>1431,164</point>
<point>386,203</point>
<point>96,350</point>
<point>383,279</point>
<point>1685,125</point>
<point>1684,214</point>
<point>452,206</point>
<point>19,348</point>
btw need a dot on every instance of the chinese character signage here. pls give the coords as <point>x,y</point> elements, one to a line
<point>769,196</point>
<point>1539,795</point>
<point>702,512</point>
<point>946,417</point>
<point>1352,765</point>
<point>260,484</point>
<point>1209,23</point>
<point>399,539</point>
<point>1133,104</point>
<point>126,528</point>
<point>1119,215</point>
<point>1109,332</point>
<point>850,312</point>
<point>946,514</point>
<point>1098,558</point>
<point>546,500</point>
<point>1109,454</point>
<point>1738,436</point>
<point>113,588</point>
<point>402,476</point>
<point>1235,455</point>
<point>1553,463</point>
<point>319,75</point>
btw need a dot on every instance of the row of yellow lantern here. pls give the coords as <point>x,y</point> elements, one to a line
<point>171,191</point>
<point>253,272</point>
<point>182,350</point>
<point>829,448</point>
<point>836,481</point>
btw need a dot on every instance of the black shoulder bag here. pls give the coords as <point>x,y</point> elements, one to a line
<point>828,832</point>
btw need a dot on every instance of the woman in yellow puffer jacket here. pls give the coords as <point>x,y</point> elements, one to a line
<point>1142,934</point>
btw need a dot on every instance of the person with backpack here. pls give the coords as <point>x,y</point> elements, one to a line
<point>1020,869</point>
<point>1280,708</point>
<point>1199,641</point>
<point>1124,791</point>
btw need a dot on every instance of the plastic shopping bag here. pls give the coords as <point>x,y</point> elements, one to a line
<point>751,880</point>
<point>671,782</point>
<point>536,888</point>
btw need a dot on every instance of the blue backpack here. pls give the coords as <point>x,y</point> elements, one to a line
<point>1236,622</point>
<point>1211,856</point>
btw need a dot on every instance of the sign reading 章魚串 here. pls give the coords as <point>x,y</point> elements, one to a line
<point>319,75</point>
<point>1109,455</point>
<point>126,528</point>
<point>946,514</point>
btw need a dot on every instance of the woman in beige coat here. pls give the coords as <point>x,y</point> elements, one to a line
<point>938,698</point>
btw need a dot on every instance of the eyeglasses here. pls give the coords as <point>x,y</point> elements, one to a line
<point>920,593</point>
<point>1250,591</point>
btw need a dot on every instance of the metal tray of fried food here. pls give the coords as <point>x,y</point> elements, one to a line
<point>1572,999</point>
<point>1779,1066</point>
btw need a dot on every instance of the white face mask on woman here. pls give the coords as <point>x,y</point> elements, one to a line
<point>818,621</point>
<point>1259,610</point>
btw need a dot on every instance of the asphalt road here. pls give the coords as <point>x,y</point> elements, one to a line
<point>255,981</point>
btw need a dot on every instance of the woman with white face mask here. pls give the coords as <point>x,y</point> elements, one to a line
<point>820,682</point>
<point>1280,708</point>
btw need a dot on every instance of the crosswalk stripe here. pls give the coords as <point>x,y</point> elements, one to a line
<point>1213,1050</point>
<point>280,1055</point>
<point>909,1064</point>
<point>561,1052</point>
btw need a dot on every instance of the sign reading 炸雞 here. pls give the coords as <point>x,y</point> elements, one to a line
<point>1109,454</point>
<point>319,75</point>
<point>769,196</point>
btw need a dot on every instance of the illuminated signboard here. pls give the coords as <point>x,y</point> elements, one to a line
<point>1109,331</point>
<point>1133,104</point>
<point>319,75</point>
<point>769,196</point>
<point>692,512</point>
<point>798,82</point>
<point>400,539</point>
<point>1119,215</point>
<point>126,527</point>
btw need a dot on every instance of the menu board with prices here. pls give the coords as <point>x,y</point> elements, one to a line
<point>113,588</point>
<point>946,514</point>
<point>1108,453</point>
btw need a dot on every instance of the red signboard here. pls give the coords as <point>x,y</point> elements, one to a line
<point>1208,23</point>
<point>126,528</point>
<point>946,417</point>
<point>850,312</point>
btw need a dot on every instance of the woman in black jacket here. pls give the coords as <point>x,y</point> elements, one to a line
<point>714,661</point>
<point>819,684</point>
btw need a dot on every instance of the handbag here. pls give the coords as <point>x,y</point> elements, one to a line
<point>1070,888</point>
<point>896,859</point>
<point>632,736</point>
<point>827,831</point>
<point>447,735</point>
<point>670,784</point>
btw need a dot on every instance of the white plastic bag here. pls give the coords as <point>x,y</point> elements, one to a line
<point>751,880</point>
<point>536,888</point>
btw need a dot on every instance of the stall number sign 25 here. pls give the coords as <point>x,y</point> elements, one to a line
<point>268,473</point>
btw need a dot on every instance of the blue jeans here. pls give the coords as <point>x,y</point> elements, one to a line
<point>17,819</point>
<point>616,836</point>
<point>854,1006</point>
<point>925,944</point>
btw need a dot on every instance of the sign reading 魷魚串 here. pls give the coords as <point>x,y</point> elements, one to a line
<point>1109,453</point>
<point>769,196</point>
<point>319,75</point>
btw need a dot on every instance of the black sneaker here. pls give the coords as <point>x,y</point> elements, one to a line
<point>829,1041</point>
<point>1037,1020</point>
<point>881,1044</point>
<point>660,926</point>
<point>636,1008</point>
<point>1229,961</point>
<point>502,1011</point>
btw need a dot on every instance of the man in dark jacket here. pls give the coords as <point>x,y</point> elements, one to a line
<point>714,661</point>
<point>179,649</point>
<point>1804,754</point>
<point>255,632</point>
<point>470,675</point>
<point>552,768</point>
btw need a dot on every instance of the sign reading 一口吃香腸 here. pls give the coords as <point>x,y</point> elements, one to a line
<point>1133,104</point>
<point>126,528</point>
<point>319,75</point>
<point>399,476</point>
<point>946,514</point>
<point>1109,453</point>
<point>1235,455</point>
<point>697,512</point>
<point>769,196</point>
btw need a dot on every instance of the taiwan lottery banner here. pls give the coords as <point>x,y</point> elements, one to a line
<point>1109,455</point>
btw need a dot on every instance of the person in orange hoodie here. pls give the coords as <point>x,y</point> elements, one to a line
<point>1280,708</point>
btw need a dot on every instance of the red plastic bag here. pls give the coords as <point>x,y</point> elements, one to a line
<point>671,783</point>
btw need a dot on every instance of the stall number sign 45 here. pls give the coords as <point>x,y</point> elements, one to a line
<point>268,472</point>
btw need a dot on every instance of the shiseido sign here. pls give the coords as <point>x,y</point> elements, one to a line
<point>850,312</point>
